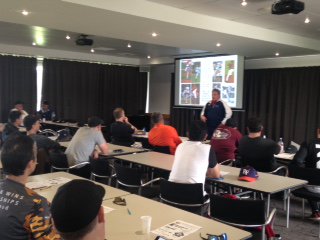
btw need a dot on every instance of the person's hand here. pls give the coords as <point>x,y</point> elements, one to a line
<point>203,118</point>
<point>125,120</point>
<point>95,154</point>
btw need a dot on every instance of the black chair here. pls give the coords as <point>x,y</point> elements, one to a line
<point>59,162</point>
<point>132,179</point>
<point>164,149</point>
<point>187,196</point>
<point>312,175</point>
<point>240,213</point>
<point>101,169</point>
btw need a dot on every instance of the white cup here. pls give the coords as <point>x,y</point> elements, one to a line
<point>146,224</point>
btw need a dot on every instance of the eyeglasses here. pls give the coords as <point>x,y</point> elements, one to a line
<point>223,236</point>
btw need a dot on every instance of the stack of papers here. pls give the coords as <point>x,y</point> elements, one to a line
<point>48,183</point>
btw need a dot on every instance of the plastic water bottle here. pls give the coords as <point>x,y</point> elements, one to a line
<point>281,144</point>
<point>264,136</point>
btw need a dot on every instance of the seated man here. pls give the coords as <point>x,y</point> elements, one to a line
<point>225,141</point>
<point>12,127</point>
<point>194,161</point>
<point>18,106</point>
<point>256,151</point>
<point>122,129</point>
<point>72,198</point>
<point>32,125</point>
<point>23,213</point>
<point>162,135</point>
<point>309,156</point>
<point>45,112</point>
<point>83,143</point>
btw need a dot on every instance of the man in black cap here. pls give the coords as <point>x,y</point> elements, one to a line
<point>83,143</point>
<point>77,212</point>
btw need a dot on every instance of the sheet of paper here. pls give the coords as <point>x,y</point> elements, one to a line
<point>37,185</point>
<point>47,183</point>
<point>58,181</point>
<point>107,209</point>
<point>223,173</point>
<point>176,230</point>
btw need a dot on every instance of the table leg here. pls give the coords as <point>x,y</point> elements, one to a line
<point>288,207</point>
<point>268,205</point>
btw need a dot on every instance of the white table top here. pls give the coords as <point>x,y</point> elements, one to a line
<point>146,134</point>
<point>285,156</point>
<point>266,183</point>
<point>151,159</point>
<point>49,193</point>
<point>66,124</point>
<point>112,147</point>
<point>121,225</point>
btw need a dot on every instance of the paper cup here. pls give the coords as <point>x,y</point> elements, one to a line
<point>146,224</point>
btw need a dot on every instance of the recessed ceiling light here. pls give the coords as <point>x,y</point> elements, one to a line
<point>307,20</point>
<point>244,3</point>
<point>34,44</point>
<point>277,54</point>
<point>92,50</point>
<point>218,44</point>
<point>68,37</point>
<point>25,12</point>
<point>148,56</point>
<point>129,45</point>
<point>154,34</point>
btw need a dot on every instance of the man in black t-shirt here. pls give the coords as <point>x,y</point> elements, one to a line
<point>122,129</point>
<point>23,213</point>
<point>256,151</point>
<point>12,127</point>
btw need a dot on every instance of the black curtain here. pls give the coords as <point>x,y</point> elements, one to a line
<point>18,81</point>
<point>77,90</point>
<point>124,87</point>
<point>286,99</point>
<point>72,88</point>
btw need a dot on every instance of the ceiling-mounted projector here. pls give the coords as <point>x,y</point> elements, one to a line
<point>83,40</point>
<point>287,6</point>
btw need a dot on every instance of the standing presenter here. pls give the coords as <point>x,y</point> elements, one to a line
<point>215,112</point>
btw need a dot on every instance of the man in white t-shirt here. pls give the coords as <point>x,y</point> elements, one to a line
<point>193,160</point>
<point>83,143</point>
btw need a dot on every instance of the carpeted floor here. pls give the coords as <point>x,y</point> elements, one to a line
<point>299,228</point>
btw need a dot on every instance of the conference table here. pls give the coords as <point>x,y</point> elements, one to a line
<point>123,222</point>
<point>114,150</point>
<point>49,193</point>
<point>267,183</point>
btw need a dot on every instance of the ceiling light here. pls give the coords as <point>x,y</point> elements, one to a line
<point>154,34</point>
<point>129,45</point>
<point>307,20</point>
<point>34,44</point>
<point>218,44</point>
<point>92,50</point>
<point>244,3</point>
<point>277,54</point>
<point>25,12</point>
<point>68,37</point>
<point>148,56</point>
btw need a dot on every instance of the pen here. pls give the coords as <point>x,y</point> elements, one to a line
<point>128,211</point>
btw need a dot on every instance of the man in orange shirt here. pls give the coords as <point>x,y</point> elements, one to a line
<point>162,135</point>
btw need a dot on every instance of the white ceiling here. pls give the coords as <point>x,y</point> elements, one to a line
<point>184,27</point>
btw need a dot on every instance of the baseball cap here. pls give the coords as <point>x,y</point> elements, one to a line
<point>94,121</point>
<point>248,174</point>
<point>76,204</point>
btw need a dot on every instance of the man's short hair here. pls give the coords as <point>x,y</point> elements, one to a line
<point>94,121</point>
<point>18,102</point>
<point>156,117</point>
<point>216,90</point>
<point>254,125</point>
<point>75,208</point>
<point>17,152</point>
<point>29,121</point>
<point>118,113</point>
<point>231,123</point>
<point>197,131</point>
<point>14,116</point>
<point>45,102</point>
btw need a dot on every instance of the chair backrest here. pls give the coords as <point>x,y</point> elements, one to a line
<point>181,193</point>
<point>312,175</point>
<point>42,160</point>
<point>58,159</point>
<point>244,212</point>
<point>165,149</point>
<point>100,167</point>
<point>126,176</point>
